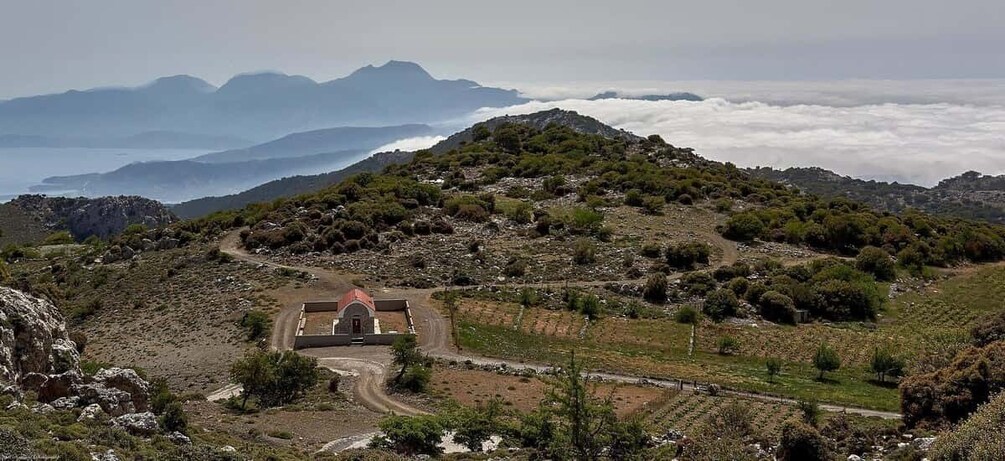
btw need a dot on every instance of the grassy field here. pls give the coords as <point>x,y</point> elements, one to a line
<point>912,323</point>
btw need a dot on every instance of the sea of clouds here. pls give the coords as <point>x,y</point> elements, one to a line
<point>909,132</point>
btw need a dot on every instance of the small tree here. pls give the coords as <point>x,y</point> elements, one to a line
<point>254,373</point>
<point>257,324</point>
<point>810,410</point>
<point>877,262</point>
<point>773,366</point>
<point>174,418</point>
<point>884,364</point>
<point>405,353</point>
<point>585,421</point>
<point>450,302</point>
<point>477,425</point>
<point>826,359</point>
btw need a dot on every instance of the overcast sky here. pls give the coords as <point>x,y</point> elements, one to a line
<point>52,45</point>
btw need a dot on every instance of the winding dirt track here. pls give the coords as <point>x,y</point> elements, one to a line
<point>434,337</point>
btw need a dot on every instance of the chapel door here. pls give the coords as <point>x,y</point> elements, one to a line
<point>357,326</point>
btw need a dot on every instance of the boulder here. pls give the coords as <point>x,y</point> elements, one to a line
<point>140,424</point>
<point>65,403</point>
<point>178,438</point>
<point>90,412</point>
<point>42,408</point>
<point>113,401</point>
<point>168,243</point>
<point>924,443</point>
<point>58,386</point>
<point>106,456</point>
<point>126,380</point>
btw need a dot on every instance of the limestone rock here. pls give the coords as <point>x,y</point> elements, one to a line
<point>178,438</point>
<point>113,401</point>
<point>33,338</point>
<point>65,403</point>
<point>103,217</point>
<point>58,386</point>
<point>90,412</point>
<point>126,380</point>
<point>106,456</point>
<point>141,424</point>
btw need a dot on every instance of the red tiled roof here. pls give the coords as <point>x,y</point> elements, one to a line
<point>355,295</point>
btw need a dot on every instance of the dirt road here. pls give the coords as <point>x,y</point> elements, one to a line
<point>434,336</point>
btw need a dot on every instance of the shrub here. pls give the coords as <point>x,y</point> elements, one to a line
<point>989,329</point>
<point>739,286</point>
<point>720,304</point>
<point>653,204</point>
<point>515,267</point>
<point>521,213</point>
<point>256,323</point>
<point>697,283</point>
<point>950,394</point>
<point>473,213</point>
<point>687,255</point>
<point>728,345</point>
<point>590,306</point>
<point>980,437</point>
<point>174,418</point>
<point>773,365</point>
<point>584,252</point>
<point>416,378</point>
<point>743,227</point>
<point>650,250</point>
<point>810,410</point>
<point>800,441</point>
<point>877,262</point>
<point>410,435</point>
<point>687,315</point>
<point>777,307</point>
<point>584,221</point>
<point>58,238</point>
<point>273,377</point>
<point>826,359</point>
<point>655,289</point>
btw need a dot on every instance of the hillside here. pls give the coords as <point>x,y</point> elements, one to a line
<point>319,141</point>
<point>970,195</point>
<point>180,180</point>
<point>286,187</point>
<point>34,216</point>
<point>258,107</point>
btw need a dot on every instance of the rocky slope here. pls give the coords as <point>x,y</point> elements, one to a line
<point>970,195</point>
<point>83,217</point>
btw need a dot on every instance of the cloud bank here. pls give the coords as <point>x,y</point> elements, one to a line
<point>409,144</point>
<point>909,143</point>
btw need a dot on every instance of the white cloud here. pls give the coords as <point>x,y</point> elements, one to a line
<point>410,144</point>
<point>915,143</point>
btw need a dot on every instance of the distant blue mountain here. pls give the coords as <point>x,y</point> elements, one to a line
<point>257,107</point>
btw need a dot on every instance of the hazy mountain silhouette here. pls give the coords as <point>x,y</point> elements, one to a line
<point>253,106</point>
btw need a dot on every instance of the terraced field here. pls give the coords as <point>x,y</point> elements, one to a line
<point>686,411</point>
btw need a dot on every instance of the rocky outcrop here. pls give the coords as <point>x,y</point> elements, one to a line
<point>33,339</point>
<point>142,424</point>
<point>37,355</point>
<point>103,217</point>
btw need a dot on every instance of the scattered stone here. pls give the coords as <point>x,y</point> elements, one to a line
<point>178,438</point>
<point>141,424</point>
<point>854,458</point>
<point>42,408</point>
<point>90,412</point>
<point>106,456</point>
<point>924,443</point>
<point>65,403</point>
<point>113,401</point>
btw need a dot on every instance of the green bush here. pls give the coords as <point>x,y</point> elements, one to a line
<point>877,262</point>
<point>687,315</point>
<point>826,359</point>
<point>728,345</point>
<point>777,307</point>
<point>410,435</point>
<point>584,252</point>
<point>655,289</point>
<point>687,255</point>
<point>800,441</point>
<point>720,304</point>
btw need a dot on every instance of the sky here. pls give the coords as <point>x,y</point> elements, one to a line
<point>54,45</point>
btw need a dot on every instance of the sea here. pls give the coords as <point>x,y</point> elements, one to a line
<point>22,168</point>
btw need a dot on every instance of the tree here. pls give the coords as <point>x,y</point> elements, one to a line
<point>254,373</point>
<point>273,377</point>
<point>773,366</point>
<point>800,441</point>
<point>475,426</point>
<point>720,304</point>
<point>414,374</point>
<point>810,410</point>
<point>629,440</point>
<point>410,435</point>
<point>877,262</point>
<point>826,359</point>
<point>174,418</point>
<point>584,420</point>
<point>451,300</point>
<point>656,288</point>
<point>884,364</point>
